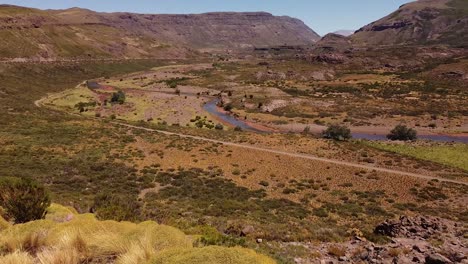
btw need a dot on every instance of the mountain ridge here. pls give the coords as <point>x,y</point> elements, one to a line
<point>78,32</point>
<point>420,22</point>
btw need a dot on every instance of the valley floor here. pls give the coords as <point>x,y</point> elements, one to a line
<point>276,193</point>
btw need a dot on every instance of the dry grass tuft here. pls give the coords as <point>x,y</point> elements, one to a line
<point>56,256</point>
<point>4,224</point>
<point>209,255</point>
<point>82,238</point>
<point>336,251</point>
<point>17,257</point>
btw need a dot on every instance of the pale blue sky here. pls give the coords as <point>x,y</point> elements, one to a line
<point>323,16</point>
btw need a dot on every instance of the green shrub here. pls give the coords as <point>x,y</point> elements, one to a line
<point>228,107</point>
<point>219,127</point>
<point>402,132</point>
<point>115,207</point>
<point>24,200</point>
<point>211,237</point>
<point>337,132</point>
<point>320,212</point>
<point>118,97</point>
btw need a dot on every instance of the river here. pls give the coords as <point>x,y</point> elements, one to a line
<point>212,108</point>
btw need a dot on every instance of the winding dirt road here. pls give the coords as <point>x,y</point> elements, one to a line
<point>291,154</point>
<point>39,103</point>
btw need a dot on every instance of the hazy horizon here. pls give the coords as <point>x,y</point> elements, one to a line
<point>322,17</point>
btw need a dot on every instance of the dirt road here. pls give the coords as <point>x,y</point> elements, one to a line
<point>39,103</point>
<point>295,155</point>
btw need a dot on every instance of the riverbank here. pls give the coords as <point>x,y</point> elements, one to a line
<point>369,133</point>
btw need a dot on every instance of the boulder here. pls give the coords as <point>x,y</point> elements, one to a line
<point>247,230</point>
<point>437,259</point>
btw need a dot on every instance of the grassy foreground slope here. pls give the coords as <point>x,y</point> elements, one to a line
<point>67,237</point>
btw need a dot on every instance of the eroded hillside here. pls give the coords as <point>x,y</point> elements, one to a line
<point>81,33</point>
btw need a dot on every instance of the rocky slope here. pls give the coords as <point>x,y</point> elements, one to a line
<point>76,32</point>
<point>418,239</point>
<point>420,22</point>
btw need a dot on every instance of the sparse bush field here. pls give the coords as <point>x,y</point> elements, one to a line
<point>190,184</point>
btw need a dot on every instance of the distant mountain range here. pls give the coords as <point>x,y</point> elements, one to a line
<point>82,33</point>
<point>344,32</point>
<point>76,32</point>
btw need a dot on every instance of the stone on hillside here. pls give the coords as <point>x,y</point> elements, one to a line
<point>437,259</point>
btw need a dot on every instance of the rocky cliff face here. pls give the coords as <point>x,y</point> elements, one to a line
<point>219,30</point>
<point>79,32</point>
<point>420,22</point>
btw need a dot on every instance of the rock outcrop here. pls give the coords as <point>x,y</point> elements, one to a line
<point>411,227</point>
<point>417,239</point>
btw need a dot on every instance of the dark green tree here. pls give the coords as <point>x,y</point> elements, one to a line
<point>337,132</point>
<point>118,97</point>
<point>402,132</point>
<point>219,127</point>
<point>228,108</point>
<point>24,200</point>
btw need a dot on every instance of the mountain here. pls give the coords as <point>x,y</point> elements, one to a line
<point>420,22</point>
<point>344,32</point>
<point>333,41</point>
<point>75,32</point>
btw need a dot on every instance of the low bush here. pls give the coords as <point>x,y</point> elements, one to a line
<point>337,132</point>
<point>228,107</point>
<point>24,200</point>
<point>219,127</point>
<point>118,208</point>
<point>402,132</point>
<point>118,97</point>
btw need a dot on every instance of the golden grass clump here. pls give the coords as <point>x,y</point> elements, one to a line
<point>210,255</point>
<point>17,257</point>
<point>56,256</point>
<point>59,213</point>
<point>80,238</point>
<point>4,224</point>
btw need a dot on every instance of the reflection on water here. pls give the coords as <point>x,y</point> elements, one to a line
<point>93,85</point>
<point>212,108</point>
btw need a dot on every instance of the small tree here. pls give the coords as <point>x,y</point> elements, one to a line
<point>219,127</point>
<point>402,132</point>
<point>118,97</point>
<point>337,132</point>
<point>24,200</point>
<point>228,108</point>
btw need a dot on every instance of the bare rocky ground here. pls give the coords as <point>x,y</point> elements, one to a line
<point>419,239</point>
